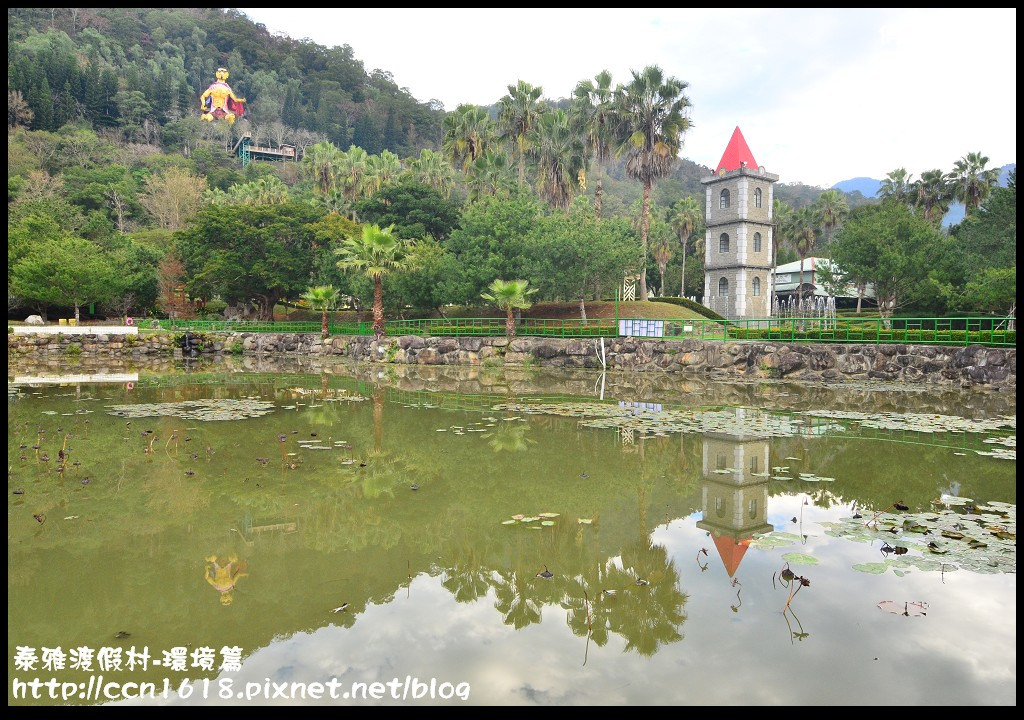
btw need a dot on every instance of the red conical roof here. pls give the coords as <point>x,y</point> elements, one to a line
<point>737,153</point>
<point>731,550</point>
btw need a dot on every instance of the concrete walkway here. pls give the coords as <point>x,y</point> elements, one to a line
<point>75,330</point>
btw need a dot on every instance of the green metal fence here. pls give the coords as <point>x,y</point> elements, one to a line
<point>925,331</point>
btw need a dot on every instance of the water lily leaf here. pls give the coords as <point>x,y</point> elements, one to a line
<point>585,521</point>
<point>508,522</point>
<point>547,522</point>
<point>872,568</point>
<point>547,515</point>
<point>800,559</point>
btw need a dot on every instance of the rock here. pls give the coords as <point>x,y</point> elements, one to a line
<point>34,320</point>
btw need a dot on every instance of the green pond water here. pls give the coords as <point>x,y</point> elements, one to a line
<point>530,537</point>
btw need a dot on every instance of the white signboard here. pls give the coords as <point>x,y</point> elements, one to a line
<point>642,328</point>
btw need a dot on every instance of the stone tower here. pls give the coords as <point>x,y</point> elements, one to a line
<point>738,248</point>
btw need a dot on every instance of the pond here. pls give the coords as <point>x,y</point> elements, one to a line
<point>505,537</point>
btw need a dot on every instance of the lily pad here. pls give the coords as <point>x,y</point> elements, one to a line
<point>800,559</point>
<point>876,568</point>
<point>547,522</point>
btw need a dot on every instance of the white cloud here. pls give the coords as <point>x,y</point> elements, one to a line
<point>820,95</point>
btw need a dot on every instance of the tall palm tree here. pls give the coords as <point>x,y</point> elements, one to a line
<point>488,174</point>
<point>375,252</point>
<point>932,194</point>
<point>650,122</point>
<point>431,168</point>
<point>557,149</point>
<point>971,181</point>
<point>352,170</point>
<point>381,171</point>
<point>832,209</point>
<point>509,295</point>
<point>593,103</point>
<point>661,251</point>
<point>467,132</point>
<point>322,298</point>
<point>782,230</point>
<point>803,238</point>
<point>685,217</point>
<point>517,116</point>
<point>896,186</point>
<point>321,163</point>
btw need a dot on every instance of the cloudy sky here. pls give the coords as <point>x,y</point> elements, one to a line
<point>820,95</point>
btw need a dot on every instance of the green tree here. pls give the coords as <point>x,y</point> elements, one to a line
<point>247,253</point>
<point>431,168</point>
<point>971,182</point>
<point>467,133</point>
<point>897,186</point>
<point>887,246</point>
<point>831,208</point>
<point>650,123</point>
<point>804,235</point>
<point>489,175</point>
<point>557,149</point>
<point>509,295</point>
<point>932,194</point>
<point>686,217</point>
<point>64,270</point>
<point>322,298</point>
<point>414,209</point>
<point>375,253</point>
<point>593,104</point>
<point>518,114</point>
<point>661,248</point>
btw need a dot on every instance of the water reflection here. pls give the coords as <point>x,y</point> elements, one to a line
<point>354,568</point>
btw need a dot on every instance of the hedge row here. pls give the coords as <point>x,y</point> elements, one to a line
<point>958,337</point>
<point>691,305</point>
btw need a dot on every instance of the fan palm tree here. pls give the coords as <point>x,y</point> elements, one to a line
<point>381,171</point>
<point>832,209</point>
<point>971,181</point>
<point>509,295</point>
<point>488,174</point>
<point>685,216</point>
<point>322,298</point>
<point>896,186</point>
<point>352,170</point>
<point>591,109</point>
<point>803,239</point>
<point>467,132</point>
<point>932,194</point>
<point>321,163</point>
<point>375,252</point>
<point>517,115</point>
<point>661,250</point>
<point>650,122</point>
<point>782,231</point>
<point>557,149</point>
<point>430,168</point>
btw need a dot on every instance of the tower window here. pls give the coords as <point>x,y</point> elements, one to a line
<point>757,241</point>
<point>757,286</point>
<point>752,509</point>
<point>757,197</point>
<point>723,288</point>
<point>723,200</point>
<point>723,243</point>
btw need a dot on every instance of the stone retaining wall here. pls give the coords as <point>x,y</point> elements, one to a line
<point>973,365</point>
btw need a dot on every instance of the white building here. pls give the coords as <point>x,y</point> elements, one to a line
<point>787,279</point>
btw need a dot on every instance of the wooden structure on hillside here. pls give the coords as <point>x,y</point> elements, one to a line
<point>247,152</point>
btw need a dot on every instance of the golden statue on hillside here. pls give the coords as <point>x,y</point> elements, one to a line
<point>219,101</point>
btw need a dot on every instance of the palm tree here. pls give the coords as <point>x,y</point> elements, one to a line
<point>381,171</point>
<point>467,132</point>
<point>685,217</point>
<point>896,186</point>
<point>591,109</point>
<point>971,181</point>
<point>375,252</point>
<point>321,163</point>
<point>323,298</point>
<point>782,230</point>
<point>650,122</point>
<point>933,193</point>
<point>803,238</point>
<point>488,174</point>
<point>430,168</point>
<point>509,295</point>
<point>517,116</point>
<point>661,251</point>
<point>558,152</point>
<point>352,170</point>
<point>832,209</point>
